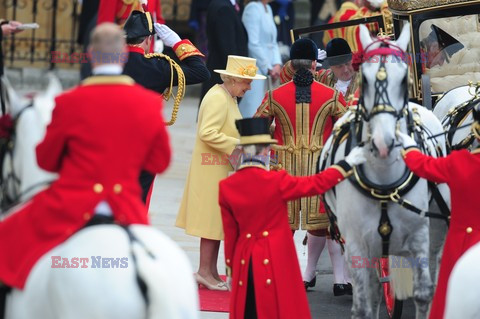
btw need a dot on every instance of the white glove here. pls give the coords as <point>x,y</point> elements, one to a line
<point>405,140</point>
<point>356,156</point>
<point>322,54</point>
<point>169,37</point>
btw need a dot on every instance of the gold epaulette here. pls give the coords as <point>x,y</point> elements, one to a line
<point>185,49</point>
<point>181,84</point>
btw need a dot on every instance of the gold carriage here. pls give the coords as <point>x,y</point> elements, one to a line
<point>444,47</point>
<point>444,50</point>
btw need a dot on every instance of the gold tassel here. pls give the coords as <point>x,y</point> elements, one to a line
<point>181,84</point>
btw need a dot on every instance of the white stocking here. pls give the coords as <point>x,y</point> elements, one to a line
<point>315,246</point>
<point>338,261</point>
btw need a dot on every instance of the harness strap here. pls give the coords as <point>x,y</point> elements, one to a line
<point>141,283</point>
<point>406,204</point>
<point>384,228</point>
<point>440,202</point>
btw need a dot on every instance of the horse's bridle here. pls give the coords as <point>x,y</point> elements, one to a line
<point>382,103</point>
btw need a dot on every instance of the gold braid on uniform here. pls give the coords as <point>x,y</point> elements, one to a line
<point>181,84</point>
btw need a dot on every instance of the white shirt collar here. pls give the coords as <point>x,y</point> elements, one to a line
<point>108,69</point>
<point>342,86</point>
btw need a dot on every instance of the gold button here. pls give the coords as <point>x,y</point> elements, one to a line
<point>249,235</point>
<point>469,230</point>
<point>240,283</point>
<point>266,261</point>
<point>183,48</point>
<point>117,188</point>
<point>98,188</point>
<point>265,233</point>
<point>228,261</point>
<point>87,216</point>
<point>269,281</point>
<point>242,261</point>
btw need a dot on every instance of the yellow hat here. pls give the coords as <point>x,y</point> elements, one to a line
<point>241,67</point>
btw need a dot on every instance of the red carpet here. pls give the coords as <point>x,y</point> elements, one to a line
<point>214,300</point>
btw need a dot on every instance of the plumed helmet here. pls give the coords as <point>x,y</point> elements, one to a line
<point>304,49</point>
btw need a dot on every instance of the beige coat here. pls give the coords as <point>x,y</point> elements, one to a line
<point>217,137</point>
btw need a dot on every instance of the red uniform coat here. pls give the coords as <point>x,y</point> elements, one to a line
<point>253,203</point>
<point>461,171</point>
<point>117,11</point>
<point>102,134</point>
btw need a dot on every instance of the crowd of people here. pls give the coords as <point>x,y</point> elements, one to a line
<point>238,106</point>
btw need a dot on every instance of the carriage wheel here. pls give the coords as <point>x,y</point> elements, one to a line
<point>394,306</point>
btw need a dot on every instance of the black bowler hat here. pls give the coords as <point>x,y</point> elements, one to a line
<point>338,52</point>
<point>304,49</point>
<point>446,42</point>
<point>254,131</point>
<point>139,24</point>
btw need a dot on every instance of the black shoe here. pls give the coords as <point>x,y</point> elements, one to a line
<point>341,289</point>
<point>349,289</point>
<point>311,283</point>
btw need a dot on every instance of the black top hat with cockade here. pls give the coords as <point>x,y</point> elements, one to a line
<point>338,52</point>
<point>254,131</point>
<point>446,42</point>
<point>138,25</point>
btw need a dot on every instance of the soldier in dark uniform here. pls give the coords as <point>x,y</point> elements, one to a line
<point>154,72</point>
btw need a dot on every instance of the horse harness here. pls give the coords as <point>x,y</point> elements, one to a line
<point>350,132</point>
<point>455,118</point>
<point>7,146</point>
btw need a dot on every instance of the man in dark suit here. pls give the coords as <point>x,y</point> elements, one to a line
<point>226,36</point>
<point>88,21</point>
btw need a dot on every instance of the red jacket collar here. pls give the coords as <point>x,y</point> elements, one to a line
<point>135,49</point>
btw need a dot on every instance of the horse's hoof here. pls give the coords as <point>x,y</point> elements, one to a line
<point>342,289</point>
<point>311,283</point>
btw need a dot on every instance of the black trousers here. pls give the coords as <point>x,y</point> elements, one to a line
<point>146,180</point>
<point>250,304</point>
<point>4,290</point>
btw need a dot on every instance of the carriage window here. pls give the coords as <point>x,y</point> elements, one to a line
<point>450,51</point>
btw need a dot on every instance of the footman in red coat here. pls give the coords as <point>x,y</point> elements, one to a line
<point>259,249</point>
<point>98,141</point>
<point>461,171</point>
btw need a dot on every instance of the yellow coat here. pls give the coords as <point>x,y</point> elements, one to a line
<point>217,137</point>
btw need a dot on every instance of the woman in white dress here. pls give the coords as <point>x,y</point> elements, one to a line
<point>262,45</point>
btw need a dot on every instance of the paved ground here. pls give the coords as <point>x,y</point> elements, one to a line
<point>166,199</point>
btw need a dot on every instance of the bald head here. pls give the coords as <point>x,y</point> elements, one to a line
<point>107,45</point>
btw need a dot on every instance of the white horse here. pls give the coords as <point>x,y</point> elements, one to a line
<point>22,177</point>
<point>463,293</point>
<point>142,274</point>
<point>384,110</point>
<point>453,111</point>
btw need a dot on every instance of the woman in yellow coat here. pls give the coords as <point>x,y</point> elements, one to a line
<point>215,143</point>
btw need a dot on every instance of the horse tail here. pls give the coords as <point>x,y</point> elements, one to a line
<point>401,278</point>
<point>165,274</point>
